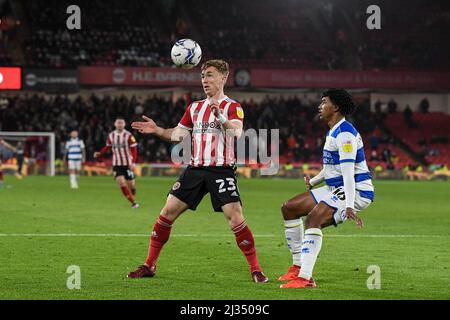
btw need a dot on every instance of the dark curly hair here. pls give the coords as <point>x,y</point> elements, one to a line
<point>342,99</point>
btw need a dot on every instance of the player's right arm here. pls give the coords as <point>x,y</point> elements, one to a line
<point>174,135</point>
<point>149,126</point>
<point>311,182</point>
<point>104,150</point>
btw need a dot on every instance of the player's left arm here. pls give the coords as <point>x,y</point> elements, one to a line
<point>233,121</point>
<point>347,145</point>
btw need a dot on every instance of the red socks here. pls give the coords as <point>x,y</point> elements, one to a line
<point>126,192</point>
<point>245,242</point>
<point>1,176</point>
<point>160,235</point>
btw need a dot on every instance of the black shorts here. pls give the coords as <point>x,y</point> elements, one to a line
<point>123,171</point>
<point>195,182</point>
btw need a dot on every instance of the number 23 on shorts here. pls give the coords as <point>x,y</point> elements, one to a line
<point>222,183</point>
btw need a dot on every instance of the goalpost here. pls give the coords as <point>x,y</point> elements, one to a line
<point>14,137</point>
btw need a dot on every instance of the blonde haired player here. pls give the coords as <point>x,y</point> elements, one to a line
<point>213,122</point>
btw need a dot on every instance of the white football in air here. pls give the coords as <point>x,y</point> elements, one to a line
<point>186,53</point>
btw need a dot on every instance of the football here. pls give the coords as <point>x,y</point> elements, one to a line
<point>186,53</point>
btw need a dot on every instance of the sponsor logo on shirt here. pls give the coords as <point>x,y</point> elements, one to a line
<point>327,158</point>
<point>347,147</point>
<point>206,126</point>
<point>240,112</point>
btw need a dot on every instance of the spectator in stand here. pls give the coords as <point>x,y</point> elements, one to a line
<point>424,150</point>
<point>424,105</point>
<point>297,152</point>
<point>394,159</point>
<point>374,155</point>
<point>392,106</point>
<point>306,152</point>
<point>378,106</point>
<point>386,155</point>
<point>407,113</point>
<point>408,116</point>
<point>292,143</point>
<point>373,142</point>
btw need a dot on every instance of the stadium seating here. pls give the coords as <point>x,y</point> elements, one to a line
<point>279,34</point>
<point>404,41</point>
<point>128,35</point>
<point>429,137</point>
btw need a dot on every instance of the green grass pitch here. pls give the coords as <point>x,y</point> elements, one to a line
<point>406,234</point>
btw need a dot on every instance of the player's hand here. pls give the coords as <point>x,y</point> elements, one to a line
<point>214,105</point>
<point>147,126</point>
<point>308,184</point>
<point>351,214</point>
<point>97,155</point>
<point>132,166</point>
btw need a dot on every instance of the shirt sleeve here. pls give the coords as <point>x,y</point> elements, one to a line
<point>235,112</point>
<point>348,176</point>
<point>318,178</point>
<point>347,146</point>
<point>82,144</point>
<point>186,120</point>
<point>108,142</point>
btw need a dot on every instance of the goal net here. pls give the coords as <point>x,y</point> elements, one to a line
<point>37,149</point>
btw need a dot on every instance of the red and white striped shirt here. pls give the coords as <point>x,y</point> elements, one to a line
<point>210,146</point>
<point>123,146</point>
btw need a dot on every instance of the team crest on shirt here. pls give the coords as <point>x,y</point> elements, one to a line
<point>176,185</point>
<point>240,112</point>
<point>347,146</point>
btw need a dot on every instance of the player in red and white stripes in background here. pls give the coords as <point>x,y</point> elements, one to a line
<point>214,123</point>
<point>124,150</point>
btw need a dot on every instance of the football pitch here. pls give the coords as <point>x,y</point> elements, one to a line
<point>45,227</point>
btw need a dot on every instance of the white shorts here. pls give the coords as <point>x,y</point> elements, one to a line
<point>75,165</point>
<point>335,198</point>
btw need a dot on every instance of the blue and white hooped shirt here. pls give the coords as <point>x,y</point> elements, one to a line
<point>74,149</point>
<point>344,144</point>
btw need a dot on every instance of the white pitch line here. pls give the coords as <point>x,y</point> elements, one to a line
<point>124,235</point>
